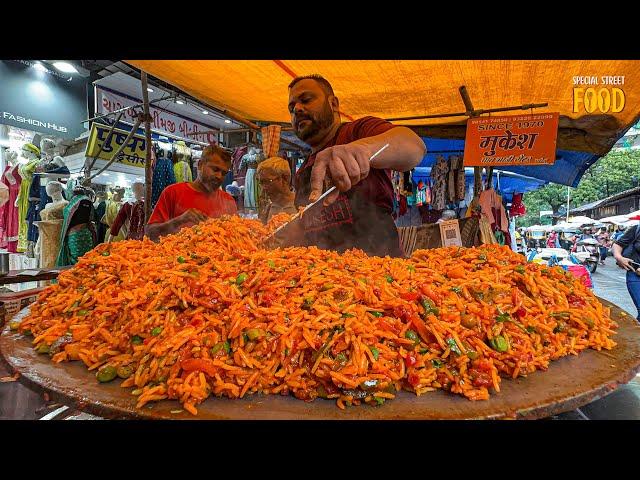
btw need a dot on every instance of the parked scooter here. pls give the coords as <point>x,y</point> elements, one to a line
<point>586,250</point>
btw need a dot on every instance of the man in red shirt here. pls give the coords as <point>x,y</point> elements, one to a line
<point>358,215</point>
<point>185,204</point>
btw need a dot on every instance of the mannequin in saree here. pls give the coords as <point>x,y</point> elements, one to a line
<point>78,235</point>
<point>50,226</point>
<point>31,154</point>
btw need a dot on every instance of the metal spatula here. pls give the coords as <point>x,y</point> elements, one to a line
<point>332,189</point>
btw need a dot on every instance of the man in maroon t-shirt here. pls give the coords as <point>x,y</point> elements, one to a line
<point>358,214</point>
<point>187,203</point>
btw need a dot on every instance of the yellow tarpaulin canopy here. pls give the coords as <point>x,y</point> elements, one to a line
<point>257,90</point>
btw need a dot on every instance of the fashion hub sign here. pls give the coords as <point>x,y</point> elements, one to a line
<point>33,122</point>
<point>42,101</point>
<point>511,140</point>
<point>162,120</point>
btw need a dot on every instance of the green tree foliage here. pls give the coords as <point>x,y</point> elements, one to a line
<point>614,173</point>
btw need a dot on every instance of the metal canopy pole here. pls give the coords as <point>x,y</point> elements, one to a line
<point>477,176</point>
<point>147,163</point>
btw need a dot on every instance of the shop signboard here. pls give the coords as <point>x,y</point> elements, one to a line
<point>511,140</point>
<point>133,154</point>
<point>43,100</point>
<point>161,120</point>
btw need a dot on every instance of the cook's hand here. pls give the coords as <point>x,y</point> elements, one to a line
<point>624,262</point>
<point>346,165</point>
<point>190,217</point>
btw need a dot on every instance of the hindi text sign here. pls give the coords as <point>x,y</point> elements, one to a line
<point>134,152</point>
<point>511,140</point>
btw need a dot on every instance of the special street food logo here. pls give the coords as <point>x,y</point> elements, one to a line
<point>598,94</point>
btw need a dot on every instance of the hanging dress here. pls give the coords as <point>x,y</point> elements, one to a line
<point>439,177</point>
<point>26,172</point>
<point>182,172</point>
<point>163,176</point>
<point>111,212</point>
<point>9,222</point>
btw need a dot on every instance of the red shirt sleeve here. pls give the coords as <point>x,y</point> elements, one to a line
<point>122,216</point>
<point>162,211</point>
<point>370,127</point>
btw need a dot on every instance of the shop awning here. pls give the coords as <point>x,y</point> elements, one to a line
<point>257,90</point>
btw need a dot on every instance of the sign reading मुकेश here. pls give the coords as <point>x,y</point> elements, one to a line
<point>511,140</point>
<point>133,154</point>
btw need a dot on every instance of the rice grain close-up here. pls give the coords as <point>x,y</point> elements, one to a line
<point>210,311</point>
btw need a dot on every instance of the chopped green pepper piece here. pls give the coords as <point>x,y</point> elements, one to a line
<point>437,363</point>
<point>483,257</point>
<point>106,373</point>
<point>241,278</point>
<point>375,352</point>
<point>389,278</point>
<point>413,336</point>
<point>429,306</point>
<point>156,331</point>
<point>105,254</point>
<point>472,354</point>
<point>531,329</point>
<point>377,314</point>
<point>411,268</point>
<point>255,333</point>
<point>424,351</point>
<point>43,348</point>
<point>500,344</point>
<point>286,352</point>
<point>27,332</point>
<point>76,304</point>
<point>454,346</point>
<point>271,263</point>
<point>503,317</point>
<point>519,269</point>
<point>181,259</point>
<point>347,315</point>
<point>216,348</point>
<point>379,400</point>
<point>136,340</point>
<point>327,286</point>
<point>82,313</point>
<point>227,347</point>
<point>457,290</point>
<point>590,323</point>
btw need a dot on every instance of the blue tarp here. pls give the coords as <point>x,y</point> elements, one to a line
<point>567,170</point>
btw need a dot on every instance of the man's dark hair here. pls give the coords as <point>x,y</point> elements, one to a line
<point>326,86</point>
<point>216,150</point>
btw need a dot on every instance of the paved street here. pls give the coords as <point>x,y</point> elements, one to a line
<point>609,283</point>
